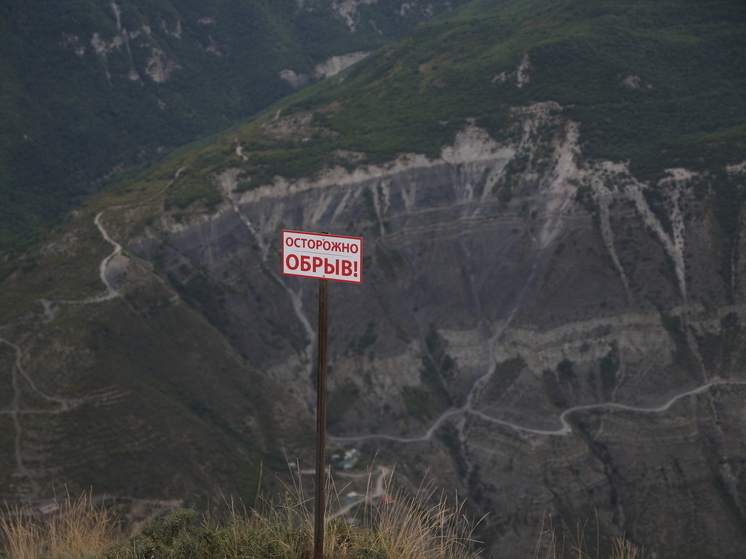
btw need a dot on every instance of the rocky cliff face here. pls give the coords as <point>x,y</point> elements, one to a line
<point>545,333</point>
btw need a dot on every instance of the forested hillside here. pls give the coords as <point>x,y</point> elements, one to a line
<point>91,89</point>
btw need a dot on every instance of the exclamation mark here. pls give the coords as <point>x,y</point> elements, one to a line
<point>355,265</point>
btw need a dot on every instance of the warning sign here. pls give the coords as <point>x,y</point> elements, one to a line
<point>316,255</point>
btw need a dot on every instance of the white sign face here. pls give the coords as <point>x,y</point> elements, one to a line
<point>315,255</point>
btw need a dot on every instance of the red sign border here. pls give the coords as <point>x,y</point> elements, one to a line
<point>322,235</point>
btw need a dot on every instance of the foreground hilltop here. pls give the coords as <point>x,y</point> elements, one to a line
<point>550,195</point>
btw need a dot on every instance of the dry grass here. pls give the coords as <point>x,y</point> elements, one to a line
<point>550,545</point>
<point>412,528</point>
<point>78,529</point>
<point>417,525</point>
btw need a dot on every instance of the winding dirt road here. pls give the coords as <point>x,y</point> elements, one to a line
<point>63,404</point>
<point>563,431</point>
<point>111,291</point>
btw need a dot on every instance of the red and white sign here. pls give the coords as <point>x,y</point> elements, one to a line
<point>315,255</point>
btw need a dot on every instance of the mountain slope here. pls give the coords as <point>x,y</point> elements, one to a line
<point>550,195</point>
<point>642,78</point>
<point>91,89</point>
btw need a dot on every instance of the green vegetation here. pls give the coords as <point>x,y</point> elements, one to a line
<point>449,436</point>
<point>417,402</point>
<point>75,119</point>
<point>205,295</point>
<point>189,189</point>
<point>718,350</point>
<point>389,260</point>
<point>366,339</point>
<point>658,83</point>
<point>7,362</point>
<point>553,390</point>
<point>506,373</point>
<point>171,367</point>
<point>7,449</point>
<point>343,398</point>
<point>608,368</point>
<point>437,368</point>
<point>565,372</point>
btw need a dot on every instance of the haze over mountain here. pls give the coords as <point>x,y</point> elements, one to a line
<point>550,194</point>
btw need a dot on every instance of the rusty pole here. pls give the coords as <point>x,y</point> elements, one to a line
<point>318,539</point>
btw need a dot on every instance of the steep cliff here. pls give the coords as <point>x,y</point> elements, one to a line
<point>569,342</point>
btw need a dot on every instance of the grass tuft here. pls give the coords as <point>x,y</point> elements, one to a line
<point>411,528</point>
<point>78,528</point>
<point>552,544</point>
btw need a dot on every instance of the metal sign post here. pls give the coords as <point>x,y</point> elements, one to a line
<point>326,257</point>
<point>318,534</point>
